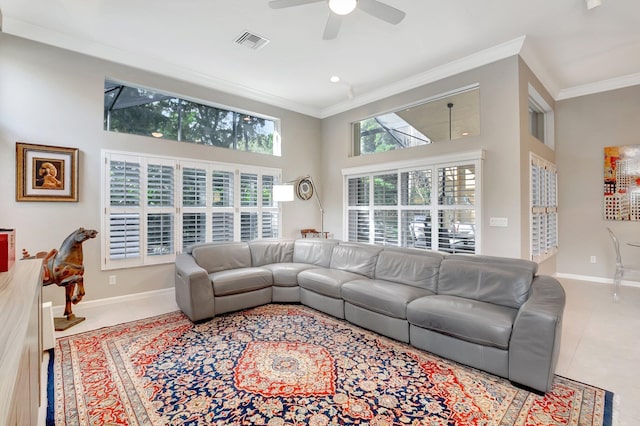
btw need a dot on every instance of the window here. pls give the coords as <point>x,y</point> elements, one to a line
<point>447,116</point>
<point>541,118</point>
<point>430,206</point>
<point>146,112</point>
<point>544,209</point>
<point>155,206</point>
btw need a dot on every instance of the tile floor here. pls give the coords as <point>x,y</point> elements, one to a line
<point>600,339</point>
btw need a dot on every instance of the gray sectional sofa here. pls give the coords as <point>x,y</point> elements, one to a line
<point>495,314</point>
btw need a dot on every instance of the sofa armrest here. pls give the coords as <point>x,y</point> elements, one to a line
<point>194,293</point>
<point>535,339</point>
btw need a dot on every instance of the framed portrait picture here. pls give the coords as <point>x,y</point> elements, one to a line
<point>46,173</point>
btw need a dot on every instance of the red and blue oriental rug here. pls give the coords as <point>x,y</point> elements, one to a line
<point>282,365</point>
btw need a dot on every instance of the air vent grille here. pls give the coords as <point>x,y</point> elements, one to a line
<point>251,40</point>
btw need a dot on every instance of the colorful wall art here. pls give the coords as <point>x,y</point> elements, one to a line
<point>622,182</point>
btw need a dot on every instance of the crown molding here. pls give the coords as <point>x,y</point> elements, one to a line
<point>475,60</point>
<point>517,46</point>
<point>599,86</point>
<point>147,63</point>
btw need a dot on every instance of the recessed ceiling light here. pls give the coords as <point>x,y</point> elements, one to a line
<point>334,79</point>
<point>465,134</point>
<point>157,134</point>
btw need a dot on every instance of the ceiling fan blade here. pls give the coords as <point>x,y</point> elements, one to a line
<point>332,27</point>
<point>280,4</point>
<point>382,11</point>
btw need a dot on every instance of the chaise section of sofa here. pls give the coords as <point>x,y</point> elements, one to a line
<point>476,318</point>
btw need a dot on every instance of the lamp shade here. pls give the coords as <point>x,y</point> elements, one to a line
<point>282,192</point>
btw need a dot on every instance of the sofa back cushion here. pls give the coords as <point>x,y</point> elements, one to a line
<point>418,268</point>
<point>223,256</point>
<point>498,280</point>
<point>266,252</point>
<point>314,251</point>
<point>357,258</point>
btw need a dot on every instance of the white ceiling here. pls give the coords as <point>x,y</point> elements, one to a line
<point>574,51</point>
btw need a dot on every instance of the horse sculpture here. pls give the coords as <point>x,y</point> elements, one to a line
<point>65,267</point>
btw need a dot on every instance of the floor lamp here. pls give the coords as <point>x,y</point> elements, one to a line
<point>305,188</point>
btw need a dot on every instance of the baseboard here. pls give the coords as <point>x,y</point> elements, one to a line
<point>595,279</point>
<point>59,309</point>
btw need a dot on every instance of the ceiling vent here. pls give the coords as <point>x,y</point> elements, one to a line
<point>251,40</point>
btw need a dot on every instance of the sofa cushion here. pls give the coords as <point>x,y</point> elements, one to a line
<point>326,281</point>
<point>265,252</point>
<point>502,281</point>
<point>222,257</point>
<point>477,322</point>
<point>357,258</point>
<point>286,274</point>
<point>235,281</point>
<point>384,297</point>
<point>315,251</point>
<point>418,268</point>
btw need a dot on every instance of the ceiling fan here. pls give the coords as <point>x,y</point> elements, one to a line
<point>339,8</point>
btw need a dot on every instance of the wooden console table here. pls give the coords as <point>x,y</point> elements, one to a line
<point>20,343</point>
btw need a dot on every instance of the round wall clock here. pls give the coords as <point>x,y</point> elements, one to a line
<point>304,189</point>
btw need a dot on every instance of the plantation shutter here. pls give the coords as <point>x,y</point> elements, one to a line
<point>155,207</point>
<point>415,221</point>
<point>385,214</point>
<point>223,217</point>
<point>456,208</point>
<point>385,190</point>
<point>270,211</point>
<point>160,208</point>
<point>194,204</point>
<point>544,209</point>
<point>428,206</point>
<point>358,208</point>
<point>249,226</point>
<point>386,227</point>
<point>223,226</point>
<point>123,210</point>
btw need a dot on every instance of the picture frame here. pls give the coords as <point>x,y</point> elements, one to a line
<point>46,173</point>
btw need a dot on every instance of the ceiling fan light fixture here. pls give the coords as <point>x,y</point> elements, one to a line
<point>342,7</point>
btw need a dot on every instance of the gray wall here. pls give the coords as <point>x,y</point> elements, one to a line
<point>586,125</point>
<point>52,96</point>
<point>529,144</point>
<point>500,138</point>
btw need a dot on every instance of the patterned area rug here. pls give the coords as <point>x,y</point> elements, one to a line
<point>288,365</point>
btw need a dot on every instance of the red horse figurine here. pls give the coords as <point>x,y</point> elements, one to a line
<point>65,267</point>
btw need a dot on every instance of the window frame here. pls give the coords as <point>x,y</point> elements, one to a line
<point>181,102</point>
<point>543,121</point>
<point>355,145</point>
<point>474,158</point>
<point>178,209</point>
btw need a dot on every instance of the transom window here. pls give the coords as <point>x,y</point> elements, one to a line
<point>429,206</point>
<point>146,112</point>
<point>444,117</point>
<point>157,206</point>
